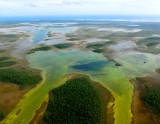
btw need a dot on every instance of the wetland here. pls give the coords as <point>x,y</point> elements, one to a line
<point>86,71</point>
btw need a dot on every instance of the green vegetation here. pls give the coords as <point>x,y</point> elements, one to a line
<point>73,39</point>
<point>99,45</point>
<point>152,38</point>
<point>1,51</point>
<point>4,63</point>
<point>8,35</point>
<point>95,46</point>
<point>76,102</point>
<point>83,34</point>
<point>152,98</point>
<point>3,58</point>
<point>12,41</point>
<point>98,51</point>
<point>19,77</point>
<point>148,45</point>
<point>49,34</point>
<point>41,48</point>
<point>7,63</point>
<point>158,70</point>
<point>1,116</point>
<point>110,43</point>
<point>63,46</point>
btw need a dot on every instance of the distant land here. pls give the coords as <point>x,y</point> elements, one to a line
<point>141,18</point>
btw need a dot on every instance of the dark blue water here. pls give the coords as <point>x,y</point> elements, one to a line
<point>92,66</point>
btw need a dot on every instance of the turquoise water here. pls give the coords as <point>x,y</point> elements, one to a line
<point>55,65</point>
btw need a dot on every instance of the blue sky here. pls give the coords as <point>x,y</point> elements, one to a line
<point>78,7</point>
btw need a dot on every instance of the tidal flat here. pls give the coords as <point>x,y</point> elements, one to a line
<point>109,53</point>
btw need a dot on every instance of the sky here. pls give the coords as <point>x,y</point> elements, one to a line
<point>79,7</point>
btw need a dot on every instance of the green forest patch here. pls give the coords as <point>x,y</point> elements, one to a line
<point>21,78</point>
<point>76,102</point>
<point>10,37</point>
<point>41,48</point>
<point>5,62</point>
<point>151,97</point>
<point>63,45</point>
<point>3,58</point>
<point>1,116</point>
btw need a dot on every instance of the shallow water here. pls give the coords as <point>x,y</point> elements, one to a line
<point>55,65</point>
<point>39,31</point>
<point>39,36</point>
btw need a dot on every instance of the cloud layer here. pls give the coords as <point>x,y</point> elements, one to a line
<point>79,7</point>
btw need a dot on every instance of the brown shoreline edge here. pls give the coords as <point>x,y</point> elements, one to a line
<point>37,119</point>
<point>11,93</point>
<point>142,114</point>
<point>105,95</point>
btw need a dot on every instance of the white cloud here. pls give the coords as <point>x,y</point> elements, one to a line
<point>73,7</point>
<point>30,4</point>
